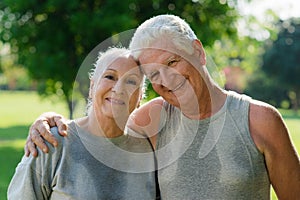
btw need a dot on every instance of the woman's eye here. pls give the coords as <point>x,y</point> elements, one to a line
<point>110,77</point>
<point>132,82</point>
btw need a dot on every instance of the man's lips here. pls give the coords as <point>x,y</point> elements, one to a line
<point>115,101</point>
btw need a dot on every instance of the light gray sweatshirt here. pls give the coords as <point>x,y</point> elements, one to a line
<point>86,167</point>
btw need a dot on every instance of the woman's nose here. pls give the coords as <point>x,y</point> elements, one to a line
<point>118,87</point>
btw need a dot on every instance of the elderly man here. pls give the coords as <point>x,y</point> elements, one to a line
<point>209,143</point>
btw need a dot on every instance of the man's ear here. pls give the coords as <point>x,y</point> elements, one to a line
<point>199,51</point>
<point>91,89</point>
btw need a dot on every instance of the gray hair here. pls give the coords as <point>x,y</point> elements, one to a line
<point>160,26</point>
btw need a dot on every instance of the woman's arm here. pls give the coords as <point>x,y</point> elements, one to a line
<point>33,178</point>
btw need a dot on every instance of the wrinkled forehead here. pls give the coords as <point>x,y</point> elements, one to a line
<point>120,64</point>
<point>125,65</point>
<point>159,52</point>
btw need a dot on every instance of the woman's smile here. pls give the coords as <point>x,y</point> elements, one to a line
<point>115,101</point>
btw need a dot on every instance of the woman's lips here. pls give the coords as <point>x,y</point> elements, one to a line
<point>115,101</point>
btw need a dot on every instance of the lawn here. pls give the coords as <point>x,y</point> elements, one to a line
<point>20,109</point>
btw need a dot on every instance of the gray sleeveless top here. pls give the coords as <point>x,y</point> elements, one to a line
<point>214,158</point>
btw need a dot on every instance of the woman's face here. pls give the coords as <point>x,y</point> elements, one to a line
<point>117,92</point>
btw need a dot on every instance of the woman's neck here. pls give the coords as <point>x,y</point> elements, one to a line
<point>100,126</point>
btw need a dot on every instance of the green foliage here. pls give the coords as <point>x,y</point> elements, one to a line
<point>243,52</point>
<point>264,88</point>
<point>149,93</point>
<point>209,19</point>
<point>52,38</point>
<point>281,60</point>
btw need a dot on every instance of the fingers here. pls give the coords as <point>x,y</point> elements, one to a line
<point>43,129</point>
<point>50,120</point>
<point>38,141</point>
<point>61,123</point>
<point>30,148</point>
<point>55,119</point>
<point>40,131</point>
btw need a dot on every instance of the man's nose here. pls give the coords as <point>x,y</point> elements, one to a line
<point>170,78</point>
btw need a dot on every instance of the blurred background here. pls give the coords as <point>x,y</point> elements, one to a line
<point>254,46</point>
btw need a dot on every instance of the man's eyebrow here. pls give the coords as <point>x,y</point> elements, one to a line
<point>173,57</point>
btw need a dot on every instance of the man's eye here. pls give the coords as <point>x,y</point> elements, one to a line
<point>172,62</point>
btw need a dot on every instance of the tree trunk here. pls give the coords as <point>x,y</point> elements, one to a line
<point>71,107</point>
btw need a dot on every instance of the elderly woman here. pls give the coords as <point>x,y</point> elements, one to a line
<point>96,160</point>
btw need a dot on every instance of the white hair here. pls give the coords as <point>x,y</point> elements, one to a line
<point>162,26</point>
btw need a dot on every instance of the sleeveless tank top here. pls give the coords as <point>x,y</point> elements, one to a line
<point>214,158</point>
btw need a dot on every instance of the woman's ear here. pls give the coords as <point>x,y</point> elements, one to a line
<point>199,51</point>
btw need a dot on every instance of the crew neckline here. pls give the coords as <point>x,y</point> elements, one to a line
<point>82,133</point>
<point>213,117</point>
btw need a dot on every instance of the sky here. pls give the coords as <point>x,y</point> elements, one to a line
<point>284,9</point>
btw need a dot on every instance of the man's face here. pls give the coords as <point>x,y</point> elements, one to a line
<point>172,75</point>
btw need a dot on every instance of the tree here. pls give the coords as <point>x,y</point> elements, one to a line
<point>52,38</point>
<point>281,60</point>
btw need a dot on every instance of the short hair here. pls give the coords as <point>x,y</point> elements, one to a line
<point>175,28</point>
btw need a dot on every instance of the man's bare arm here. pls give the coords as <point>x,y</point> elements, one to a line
<point>146,119</point>
<point>271,136</point>
<point>40,131</point>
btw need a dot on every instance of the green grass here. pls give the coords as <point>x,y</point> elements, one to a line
<point>20,109</point>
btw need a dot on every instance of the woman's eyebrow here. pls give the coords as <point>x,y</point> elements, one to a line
<point>130,74</point>
<point>111,69</point>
